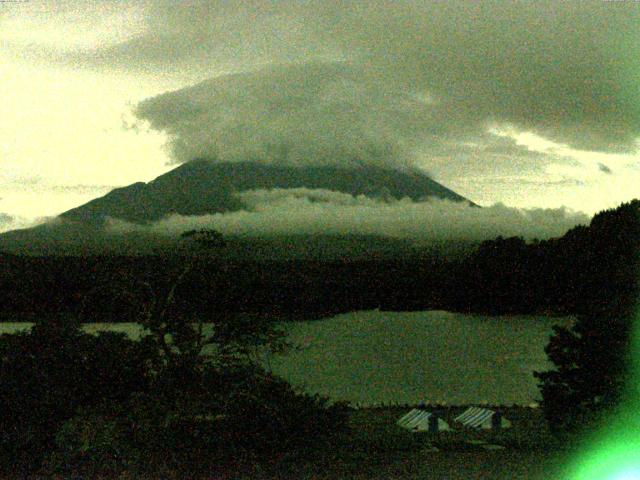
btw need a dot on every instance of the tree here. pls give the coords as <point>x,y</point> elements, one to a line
<point>227,339</point>
<point>593,357</point>
<point>208,403</point>
<point>205,237</point>
<point>592,360</point>
<point>49,373</point>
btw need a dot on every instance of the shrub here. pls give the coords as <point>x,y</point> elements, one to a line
<point>267,417</point>
<point>225,421</point>
<point>46,375</point>
<point>93,442</point>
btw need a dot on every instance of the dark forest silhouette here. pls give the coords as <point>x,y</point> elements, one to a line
<point>180,402</point>
<point>572,274</point>
<point>74,403</point>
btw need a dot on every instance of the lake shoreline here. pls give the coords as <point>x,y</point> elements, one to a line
<point>374,358</point>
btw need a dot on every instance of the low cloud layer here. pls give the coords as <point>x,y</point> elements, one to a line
<point>315,212</point>
<point>13,222</point>
<point>5,219</point>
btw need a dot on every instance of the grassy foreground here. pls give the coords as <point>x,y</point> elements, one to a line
<point>378,449</point>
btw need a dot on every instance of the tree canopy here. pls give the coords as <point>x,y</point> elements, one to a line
<point>593,357</point>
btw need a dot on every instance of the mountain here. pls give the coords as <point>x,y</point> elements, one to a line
<point>201,187</point>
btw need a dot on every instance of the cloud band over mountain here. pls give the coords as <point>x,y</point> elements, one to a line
<point>520,102</point>
<point>323,212</point>
<point>389,84</point>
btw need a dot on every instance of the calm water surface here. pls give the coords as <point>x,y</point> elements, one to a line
<point>376,357</point>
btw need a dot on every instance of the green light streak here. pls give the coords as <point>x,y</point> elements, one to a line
<point>613,453</point>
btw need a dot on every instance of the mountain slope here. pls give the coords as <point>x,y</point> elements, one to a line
<point>202,187</point>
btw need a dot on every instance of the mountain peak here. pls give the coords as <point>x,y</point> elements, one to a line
<point>202,187</point>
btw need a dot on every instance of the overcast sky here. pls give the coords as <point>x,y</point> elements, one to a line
<point>532,104</point>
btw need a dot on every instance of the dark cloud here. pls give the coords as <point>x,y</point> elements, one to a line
<point>313,212</point>
<point>214,35</point>
<point>483,155</point>
<point>67,30</point>
<point>302,113</point>
<point>567,70</point>
<point>604,169</point>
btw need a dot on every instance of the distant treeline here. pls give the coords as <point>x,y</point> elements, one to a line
<point>588,268</point>
<point>567,275</point>
<point>108,288</point>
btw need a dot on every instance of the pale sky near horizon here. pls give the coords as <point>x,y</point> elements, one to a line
<point>493,125</point>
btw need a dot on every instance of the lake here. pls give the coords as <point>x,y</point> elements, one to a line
<point>374,357</point>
